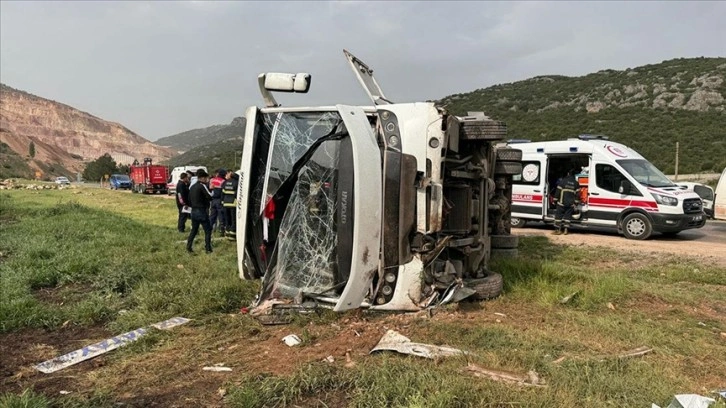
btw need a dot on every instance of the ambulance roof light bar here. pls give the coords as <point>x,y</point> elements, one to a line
<point>592,137</point>
<point>279,82</point>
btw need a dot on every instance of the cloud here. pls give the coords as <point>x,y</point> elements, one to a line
<point>165,67</point>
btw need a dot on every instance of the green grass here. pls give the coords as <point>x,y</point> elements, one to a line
<point>92,264</point>
<point>91,257</point>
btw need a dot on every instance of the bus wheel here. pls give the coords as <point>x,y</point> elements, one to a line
<point>517,222</point>
<point>488,287</point>
<point>637,226</point>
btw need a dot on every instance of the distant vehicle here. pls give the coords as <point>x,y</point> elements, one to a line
<point>62,181</point>
<point>719,202</point>
<point>119,181</point>
<point>619,188</point>
<point>176,172</point>
<point>705,192</point>
<point>148,178</point>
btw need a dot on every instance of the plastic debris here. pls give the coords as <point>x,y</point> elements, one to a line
<point>216,369</point>
<point>96,349</point>
<point>569,297</point>
<point>688,401</point>
<point>395,341</point>
<point>291,340</point>
<point>531,379</point>
<point>637,352</point>
<point>330,359</point>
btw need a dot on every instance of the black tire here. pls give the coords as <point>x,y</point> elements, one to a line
<point>488,287</point>
<point>506,168</point>
<point>505,253</point>
<point>636,226</point>
<point>504,241</point>
<point>483,130</point>
<point>516,222</point>
<point>509,154</point>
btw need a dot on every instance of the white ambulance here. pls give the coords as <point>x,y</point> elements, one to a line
<point>619,188</point>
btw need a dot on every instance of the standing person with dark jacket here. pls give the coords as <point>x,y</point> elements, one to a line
<point>566,200</point>
<point>182,200</point>
<point>229,202</point>
<point>217,208</point>
<point>199,198</point>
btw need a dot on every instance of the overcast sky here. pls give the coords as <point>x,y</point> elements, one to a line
<point>161,68</point>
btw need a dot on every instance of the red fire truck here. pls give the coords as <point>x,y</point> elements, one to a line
<point>148,178</point>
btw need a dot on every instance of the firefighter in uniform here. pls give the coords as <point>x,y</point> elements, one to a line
<point>566,200</point>
<point>217,213</point>
<point>229,201</point>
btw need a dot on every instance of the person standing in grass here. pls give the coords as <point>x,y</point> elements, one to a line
<point>182,200</point>
<point>217,213</point>
<point>199,198</point>
<point>229,201</point>
<point>566,201</point>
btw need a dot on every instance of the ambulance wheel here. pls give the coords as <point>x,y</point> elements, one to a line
<point>488,287</point>
<point>509,154</point>
<point>505,241</point>
<point>637,226</point>
<point>505,168</point>
<point>505,252</point>
<point>517,222</point>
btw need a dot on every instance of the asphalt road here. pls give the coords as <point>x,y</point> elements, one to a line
<point>713,232</point>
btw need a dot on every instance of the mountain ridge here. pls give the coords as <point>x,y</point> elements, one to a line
<point>65,138</point>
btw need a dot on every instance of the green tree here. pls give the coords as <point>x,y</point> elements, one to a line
<point>96,169</point>
<point>31,150</point>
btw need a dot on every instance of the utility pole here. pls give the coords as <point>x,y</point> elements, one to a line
<point>676,162</point>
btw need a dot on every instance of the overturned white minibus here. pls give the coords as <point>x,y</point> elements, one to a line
<point>393,206</point>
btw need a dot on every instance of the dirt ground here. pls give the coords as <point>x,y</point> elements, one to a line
<point>707,244</point>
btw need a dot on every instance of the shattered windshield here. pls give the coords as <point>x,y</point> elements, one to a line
<point>296,239</point>
<point>645,173</point>
<point>292,135</point>
<point>306,251</point>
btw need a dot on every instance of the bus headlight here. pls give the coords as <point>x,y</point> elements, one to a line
<point>665,200</point>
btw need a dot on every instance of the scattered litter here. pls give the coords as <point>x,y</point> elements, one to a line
<point>291,340</point>
<point>93,350</point>
<point>702,324</point>
<point>216,369</point>
<point>64,392</point>
<point>531,379</point>
<point>498,321</point>
<point>221,392</point>
<point>611,306</point>
<point>688,401</point>
<point>358,334</point>
<point>569,297</point>
<point>723,335</point>
<point>395,341</point>
<point>244,310</point>
<point>330,359</point>
<point>180,266</point>
<point>559,360</point>
<point>637,352</point>
<point>500,314</point>
<point>349,361</point>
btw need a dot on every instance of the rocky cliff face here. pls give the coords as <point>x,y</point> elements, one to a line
<point>66,136</point>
